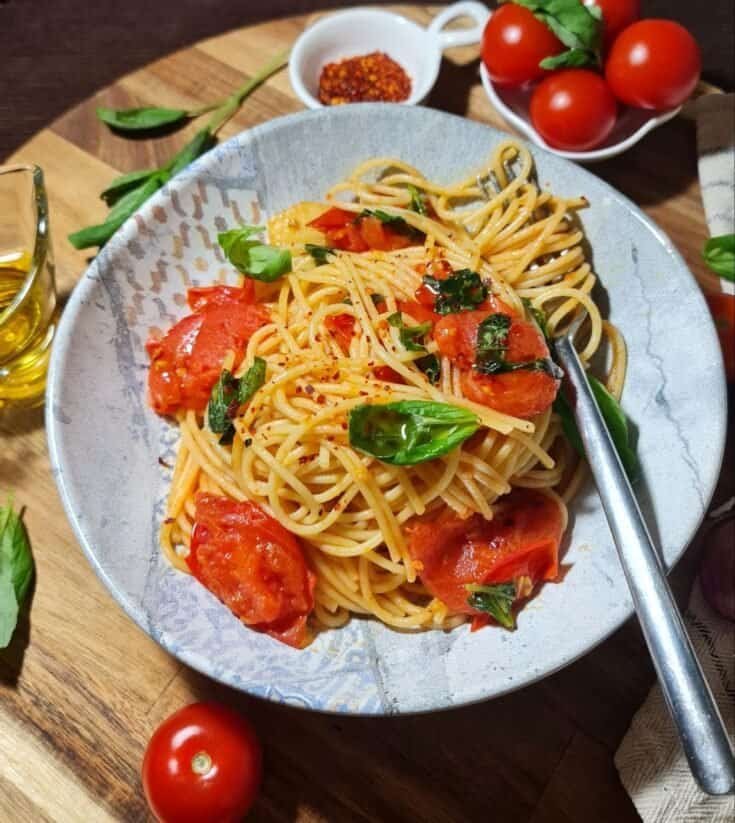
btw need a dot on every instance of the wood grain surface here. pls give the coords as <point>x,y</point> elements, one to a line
<point>82,688</point>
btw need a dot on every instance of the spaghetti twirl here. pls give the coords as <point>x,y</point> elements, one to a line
<point>338,332</point>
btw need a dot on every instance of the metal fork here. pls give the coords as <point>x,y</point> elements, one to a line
<point>688,697</point>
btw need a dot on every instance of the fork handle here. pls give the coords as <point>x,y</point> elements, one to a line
<point>688,697</point>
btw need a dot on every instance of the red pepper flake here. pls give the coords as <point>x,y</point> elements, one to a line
<point>373,76</point>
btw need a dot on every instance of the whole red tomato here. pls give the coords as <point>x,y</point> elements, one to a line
<point>616,15</point>
<point>202,765</point>
<point>513,45</point>
<point>573,110</point>
<point>653,64</point>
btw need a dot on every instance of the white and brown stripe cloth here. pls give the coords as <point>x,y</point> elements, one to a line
<point>650,760</point>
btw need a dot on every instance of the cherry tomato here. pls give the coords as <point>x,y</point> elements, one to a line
<point>202,765</point>
<point>342,328</point>
<point>573,110</point>
<point>254,565</point>
<point>616,15</point>
<point>653,64</point>
<point>522,540</point>
<point>421,312</point>
<point>187,361</point>
<point>522,393</point>
<point>514,43</point>
<point>347,231</point>
<point>722,307</point>
<point>387,374</point>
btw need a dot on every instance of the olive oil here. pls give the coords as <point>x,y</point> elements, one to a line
<point>27,325</point>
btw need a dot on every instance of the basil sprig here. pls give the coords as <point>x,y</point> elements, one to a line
<point>252,257</point>
<point>615,419</point>
<point>128,192</point>
<point>579,28</point>
<point>409,335</point>
<point>144,119</point>
<point>719,255</point>
<point>463,290</point>
<point>418,200</point>
<point>492,345</point>
<point>16,570</point>
<point>228,394</point>
<point>409,431</point>
<point>496,599</point>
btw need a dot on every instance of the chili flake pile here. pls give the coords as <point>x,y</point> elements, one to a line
<point>372,76</point>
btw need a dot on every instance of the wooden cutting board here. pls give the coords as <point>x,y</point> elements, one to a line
<point>82,688</point>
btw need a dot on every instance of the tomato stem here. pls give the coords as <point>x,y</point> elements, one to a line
<point>201,763</point>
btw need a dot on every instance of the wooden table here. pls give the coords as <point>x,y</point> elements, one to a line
<point>82,688</point>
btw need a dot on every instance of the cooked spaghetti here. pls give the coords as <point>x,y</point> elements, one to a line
<point>335,334</point>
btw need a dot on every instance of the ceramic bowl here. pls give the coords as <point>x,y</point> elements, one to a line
<point>105,442</point>
<point>361,31</point>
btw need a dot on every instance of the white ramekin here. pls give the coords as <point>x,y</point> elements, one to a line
<point>363,30</point>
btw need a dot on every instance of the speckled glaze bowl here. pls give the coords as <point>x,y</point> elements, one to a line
<point>105,442</point>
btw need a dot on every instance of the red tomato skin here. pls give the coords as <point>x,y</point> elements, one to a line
<point>187,361</point>
<point>387,374</point>
<point>573,110</point>
<point>522,540</point>
<point>616,15</point>
<point>514,43</point>
<point>177,794</point>
<point>420,312</point>
<point>342,328</point>
<point>521,393</point>
<point>333,218</point>
<point>722,307</point>
<point>254,565</point>
<point>653,64</point>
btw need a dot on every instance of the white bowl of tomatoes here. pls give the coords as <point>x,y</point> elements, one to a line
<point>586,79</point>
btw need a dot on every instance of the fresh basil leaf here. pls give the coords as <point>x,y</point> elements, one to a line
<point>127,205</point>
<point>409,431</point>
<point>615,419</point>
<point>16,570</point>
<point>228,394</point>
<point>319,253</point>
<point>579,27</point>
<point>544,364</point>
<point>569,59</point>
<point>202,141</point>
<point>396,222</point>
<point>496,599</point>
<point>408,335</point>
<point>143,119</point>
<point>719,255</point>
<point>253,258</point>
<point>224,392</point>
<point>122,185</point>
<point>377,299</point>
<point>492,342</point>
<point>430,366</point>
<point>418,199</point>
<point>538,316</point>
<point>251,381</point>
<point>461,291</point>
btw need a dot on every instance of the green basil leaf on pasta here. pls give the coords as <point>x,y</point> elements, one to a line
<point>496,600</point>
<point>319,253</point>
<point>463,290</point>
<point>16,570</point>
<point>228,394</point>
<point>538,317</point>
<point>615,419</point>
<point>253,258</point>
<point>719,255</point>
<point>410,431</point>
<point>141,119</point>
<point>430,366</point>
<point>418,200</point>
<point>409,335</point>
<point>251,381</point>
<point>492,341</point>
